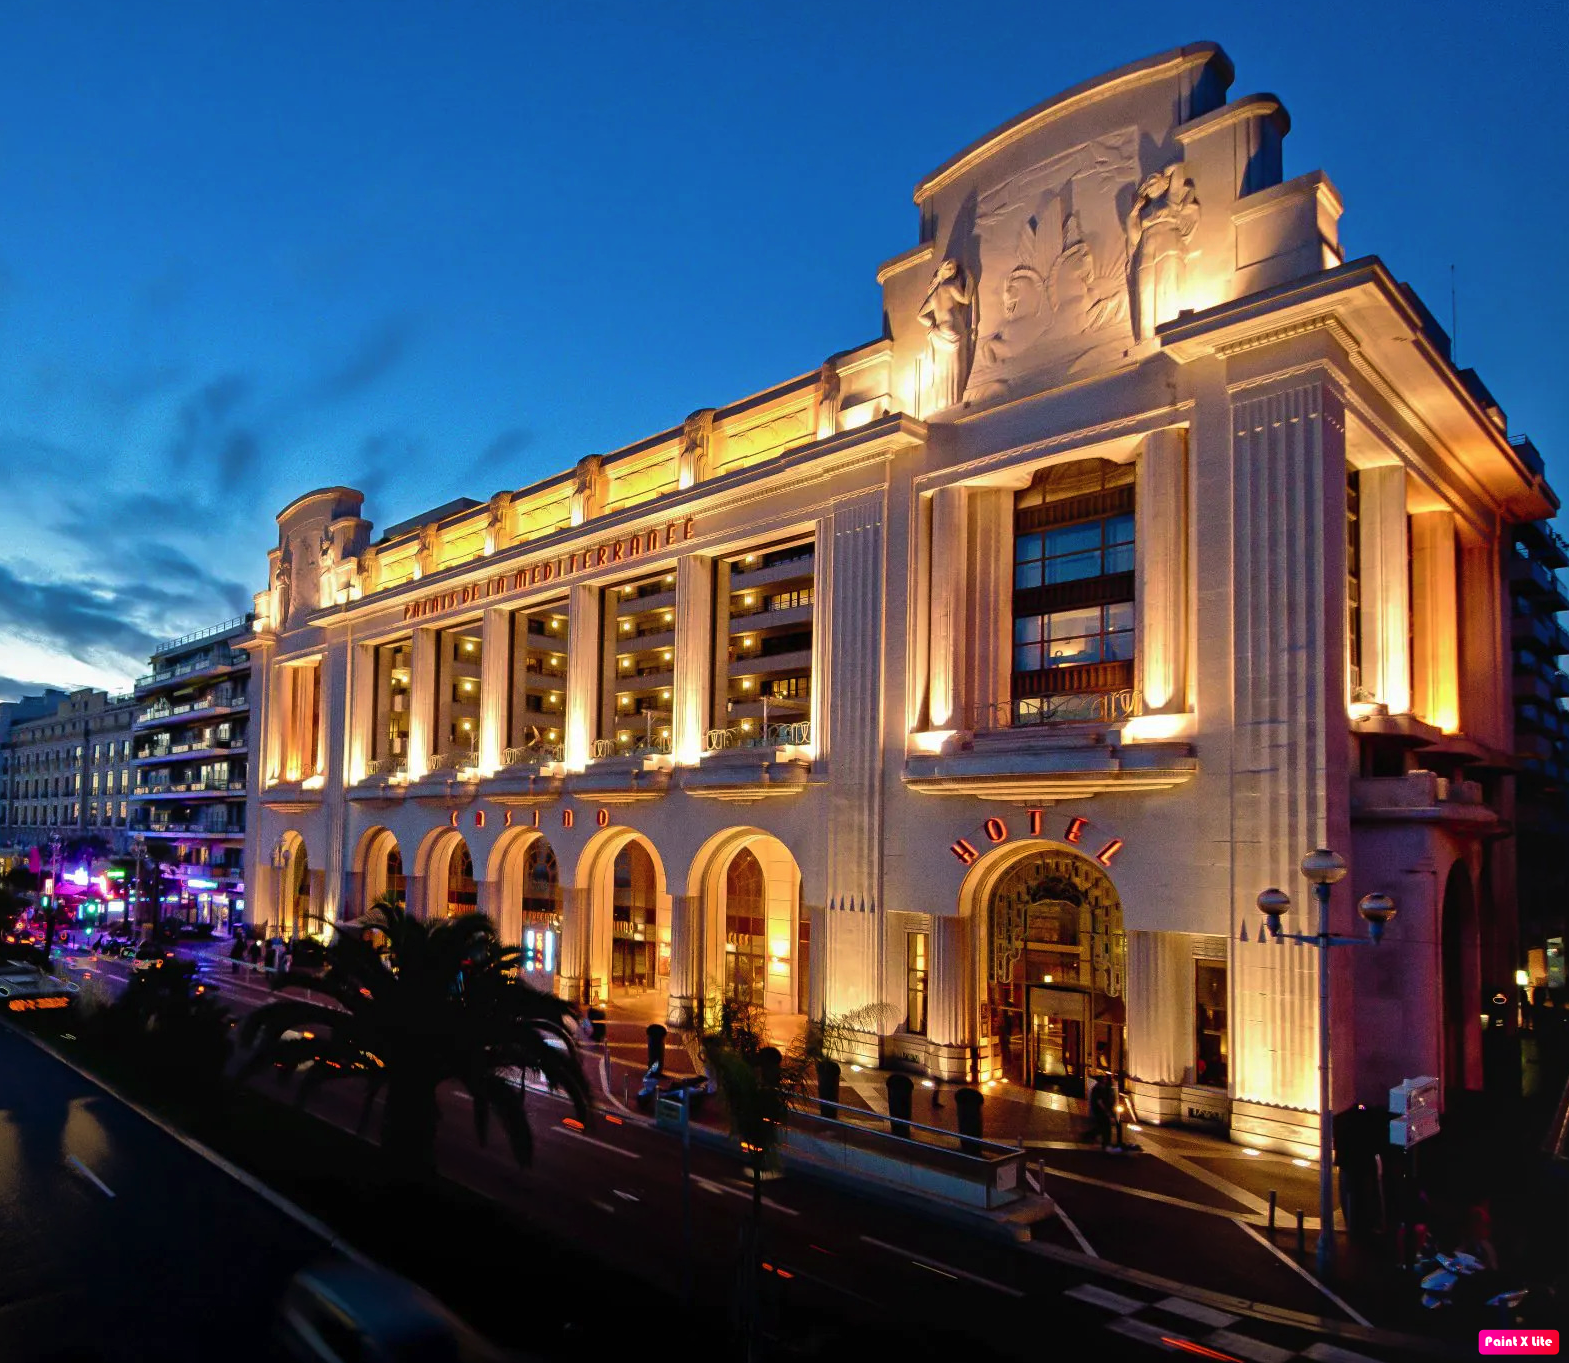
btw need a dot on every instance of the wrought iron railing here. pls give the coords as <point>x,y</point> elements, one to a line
<point>631,747</point>
<point>454,759</point>
<point>387,766</point>
<point>530,753</point>
<point>759,736</point>
<point>1069,707</point>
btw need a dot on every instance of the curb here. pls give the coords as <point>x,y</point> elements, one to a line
<point>249,1181</point>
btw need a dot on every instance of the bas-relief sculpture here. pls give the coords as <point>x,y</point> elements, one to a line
<point>697,434</point>
<point>588,480</point>
<point>827,400</point>
<point>496,536</point>
<point>283,584</point>
<point>429,546</point>
<point>1079,258</point>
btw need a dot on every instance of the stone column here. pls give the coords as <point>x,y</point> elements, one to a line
<point>694,657</point>
<point>950,1017</point>
<point>576,936</point>
<point>495,672</point>
<point>1289,773</point>
<point>583,669</point>
<point>988,597</point>
<point>1484,644</point>
<point>422,701</point>
<point>949,588</point>
<point>1435,663</point>
<point>362,711</point>
<point>1386,601</point>
<point>1161,572</point>
<point>333,697</point>
<point>687,985</point>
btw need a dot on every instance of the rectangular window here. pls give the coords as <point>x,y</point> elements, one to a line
<point>390,723</point>
<point>915,982</point>
<point>1073,594</point>
<point>455,732</point>
<point>639,632</point>
<point>537,701</point>
<point>763,666</point>
<point>1211,1048</point>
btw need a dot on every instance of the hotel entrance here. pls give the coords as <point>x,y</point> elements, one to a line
<point>1055,973</point>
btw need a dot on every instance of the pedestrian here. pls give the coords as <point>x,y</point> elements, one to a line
<point>254,953</point>
<point>1103,1104</point>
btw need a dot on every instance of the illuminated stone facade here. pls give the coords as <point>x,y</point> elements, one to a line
<point>972,685</point>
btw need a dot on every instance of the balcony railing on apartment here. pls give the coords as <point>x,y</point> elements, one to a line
<point>631,747</point>
<point>528,753</point>
<point>387,766</point>
<point>796,734</point>
<point>454,759</point>
<point>1065,707</point>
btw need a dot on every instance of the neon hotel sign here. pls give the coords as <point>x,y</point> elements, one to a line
<point>623,549</point>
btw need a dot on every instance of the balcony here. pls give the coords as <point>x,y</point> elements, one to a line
<point>772,664</point>
<point>743,579</point>
<point>218,661</point>
<point>530,774</point>
<point>1536,580</point>
<point>625,772</point>
<point>1530,686</point>
<point>383,779</point>
<point>744,765</point>
<point>1420,797</point>
<point>203,708</point>
<point>1066,746</point>
<point>641,605</point>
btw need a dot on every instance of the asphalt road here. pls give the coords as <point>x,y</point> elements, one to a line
<point>118,1241</point>
<point>618,1187</point>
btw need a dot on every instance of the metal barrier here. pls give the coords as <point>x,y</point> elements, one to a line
<point>530,753</point>
<point>764,736</point>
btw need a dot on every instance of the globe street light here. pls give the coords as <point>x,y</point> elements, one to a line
<point>1323,868</point>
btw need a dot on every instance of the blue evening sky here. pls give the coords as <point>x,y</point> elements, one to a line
<point>437,249</point>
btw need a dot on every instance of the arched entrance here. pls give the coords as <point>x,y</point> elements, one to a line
<point>528,914</point>
<point>1053,967</point>
<point>293,869</point>
<point>1462,982</point>
<point>446,871</point>
<point>621,944</point>
<point>755,943</point>
<point>379,864</point>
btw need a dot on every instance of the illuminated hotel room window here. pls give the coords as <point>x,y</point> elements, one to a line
<point>639,657</point>
<point>1073,593</point>
<point>390,730</point>
<point>537,703</point>
<point>459,654</point>
<point>765,609</point>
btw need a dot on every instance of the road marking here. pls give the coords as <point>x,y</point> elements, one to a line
<point>1232,1215</point>
<point>603,1206</point>
<point>1218,1182</point>
<point>87,1173</point>
<point>941,1272</point>
<point>1075,1232</point>
<point>1149,1334</point>
<point>708,1185</point>
<point>1256,1351</point>
<point>625,1197</point>
<point>1205,1315</point>
<point>1288,1260</point>
<point>1101,1296</point>
<point>940,1267</point>
<point>603,1145</point>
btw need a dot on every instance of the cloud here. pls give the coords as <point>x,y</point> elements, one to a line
<point>375,355</point>
<point>505,447</point>
<point>13,689</point>
<point>86,624</point>
<point>203,415</point>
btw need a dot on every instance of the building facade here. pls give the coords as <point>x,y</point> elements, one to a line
<point>66,773</point>
<point>192,749</point>
<point>1538,642</point>
<point>970,687</point>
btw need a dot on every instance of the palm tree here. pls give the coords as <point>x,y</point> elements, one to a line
<point>416,1004</point>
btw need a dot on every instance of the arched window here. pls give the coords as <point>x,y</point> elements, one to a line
<point>396,884</point>
<point>635,914</point>
<point>462,892</point>
<point>746,929</point>
<point>541,906</point>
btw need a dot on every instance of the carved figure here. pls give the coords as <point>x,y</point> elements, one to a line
<point>945,315</point>
<point>697,433</point>
<point>827,400</point>
<point>429,546</point>
<point>496,522</point>
<point>283,583</point>
<point>587,482</point>
<point>328,551</point>
<point>1160,227</point>
<point>366,569</point>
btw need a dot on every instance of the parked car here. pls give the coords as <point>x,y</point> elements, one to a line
<point>25,988</point>
<point>152,956</point>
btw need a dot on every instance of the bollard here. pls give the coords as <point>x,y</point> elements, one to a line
<point>769,1060</point>
<point>1271,1213</point>
<point>900,1091</point>
<point>1301,1234</point>
<point>656,1045</point>
<point>827,1089</point>
<point>967,1107</point>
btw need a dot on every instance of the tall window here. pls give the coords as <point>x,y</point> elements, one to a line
<point>1354,582</point>
<point>915,983</point>
<point>456,729</point>
<point>390,728</point>
<point>541,908</point>
<point>746,929</point>
<point>632,946</point>
<point>462,892</point>
<point>1209,1023</point>
<point>1073,593</point>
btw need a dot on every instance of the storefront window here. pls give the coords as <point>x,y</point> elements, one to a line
<point>632,946</point>
<point>462,892</point>
<point>746,929</point>
<point>915,983</point>
<point>1209,1021</point>
<point>541,908</point>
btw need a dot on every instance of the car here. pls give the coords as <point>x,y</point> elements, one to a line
<point>27,988</point>
<point>152,956</point>
<point>344,1311</point>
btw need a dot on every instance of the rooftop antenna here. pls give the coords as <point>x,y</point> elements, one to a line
<point>1454,320</point>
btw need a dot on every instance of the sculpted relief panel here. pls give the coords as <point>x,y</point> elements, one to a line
<point>1079,258</point>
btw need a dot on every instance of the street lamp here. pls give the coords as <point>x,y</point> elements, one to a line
<point>1323,868</point>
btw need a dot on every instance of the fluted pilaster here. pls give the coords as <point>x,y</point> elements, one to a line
<point>422,701</point>
<point>495,679</point>
<point>949,589</point>
<point>1385,587</point>
<point>583,669</point>
<point>694,657</point>
<point>1435,624</point>
<point>1161,571</point>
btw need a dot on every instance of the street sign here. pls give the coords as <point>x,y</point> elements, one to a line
<point>1413,1108</point>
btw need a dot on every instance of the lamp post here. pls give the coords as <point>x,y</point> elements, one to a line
<point>1323,868</point>
<point>139,843</point>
